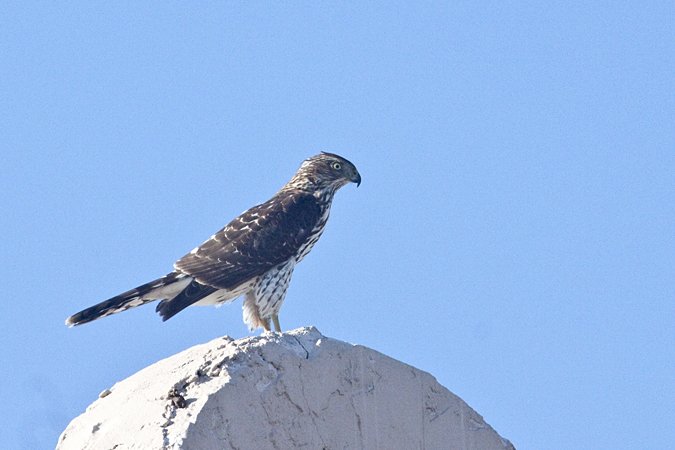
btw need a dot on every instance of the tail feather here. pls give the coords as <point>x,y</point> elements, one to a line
<point>194,292</point>
<point>149,292</point>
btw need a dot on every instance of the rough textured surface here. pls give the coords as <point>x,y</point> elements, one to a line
<point>280,391</point>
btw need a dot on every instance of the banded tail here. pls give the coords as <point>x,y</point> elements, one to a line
<point>167,287</point>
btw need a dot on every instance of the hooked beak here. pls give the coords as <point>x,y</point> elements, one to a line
<point>355,178</point>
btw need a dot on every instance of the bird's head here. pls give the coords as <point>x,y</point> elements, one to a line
<point>325,171</point>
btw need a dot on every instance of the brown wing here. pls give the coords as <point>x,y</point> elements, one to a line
<point>257,240</point>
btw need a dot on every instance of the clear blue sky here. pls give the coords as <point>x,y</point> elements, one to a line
<point>513,234</point>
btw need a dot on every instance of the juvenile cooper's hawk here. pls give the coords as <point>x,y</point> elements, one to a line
<point>254,255</point>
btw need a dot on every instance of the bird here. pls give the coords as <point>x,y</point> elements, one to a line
<point>253,256</point>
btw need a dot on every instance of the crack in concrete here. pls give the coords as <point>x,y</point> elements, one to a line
<point>303,347</point>
<point>312,414</point>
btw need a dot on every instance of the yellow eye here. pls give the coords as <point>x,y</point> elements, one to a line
<point>337,166</point>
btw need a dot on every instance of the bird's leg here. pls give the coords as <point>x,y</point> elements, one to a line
<point>275,319</point>
<point>265,324</point>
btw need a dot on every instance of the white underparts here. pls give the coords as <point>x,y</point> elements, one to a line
<point>267,295</point>
<point>168,291</point>
<point>222,296</point>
